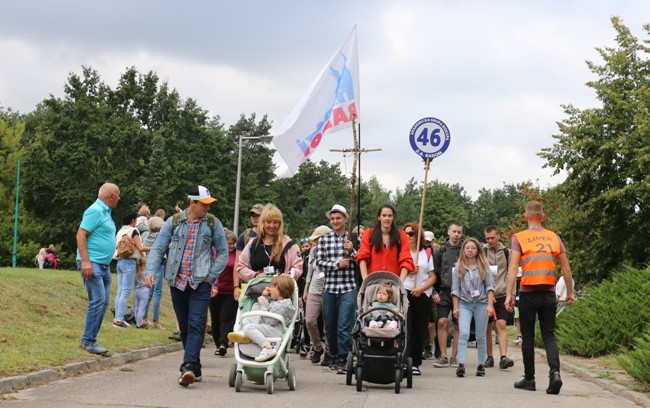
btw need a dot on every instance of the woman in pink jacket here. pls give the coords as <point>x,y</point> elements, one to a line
<point>271,252</point>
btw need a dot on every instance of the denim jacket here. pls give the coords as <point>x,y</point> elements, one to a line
<point>172,243</point>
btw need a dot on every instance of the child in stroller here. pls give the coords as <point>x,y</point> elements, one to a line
<point>280,292</point>
<point>261,337</point>
<point>378,353</point>
<point>382,316</point>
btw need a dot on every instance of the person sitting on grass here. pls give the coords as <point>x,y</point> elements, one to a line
<point>280,293</point>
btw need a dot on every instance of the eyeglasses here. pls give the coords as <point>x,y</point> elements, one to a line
<point>410,233</point>
<point>303,240</point>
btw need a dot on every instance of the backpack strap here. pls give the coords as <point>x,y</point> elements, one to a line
<point>284,252</point>
<point>247,235</point>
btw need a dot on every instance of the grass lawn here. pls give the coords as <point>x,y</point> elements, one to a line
<point>42,314</point>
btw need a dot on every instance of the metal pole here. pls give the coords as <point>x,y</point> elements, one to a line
<point>235,223</point>
<point>13,258</point>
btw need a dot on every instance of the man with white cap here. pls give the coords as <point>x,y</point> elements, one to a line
<point>190,271</point>
<point>335,257</point>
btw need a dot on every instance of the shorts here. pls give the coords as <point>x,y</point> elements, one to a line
<point>445,306</point>
<point>433,316</point>
<point>500,310</point>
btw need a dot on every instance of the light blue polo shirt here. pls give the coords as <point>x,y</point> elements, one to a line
<point>97,220</point>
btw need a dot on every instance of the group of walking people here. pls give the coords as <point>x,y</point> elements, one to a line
<point>460,280</point>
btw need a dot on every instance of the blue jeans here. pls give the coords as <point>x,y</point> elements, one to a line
<point>477,311</point>
<point>125,275</point>
<point>156,294</point>
<point>99,289</point>
<point>339,316</point>
<point>140,303</point>
<point>191,308</point>
<point>543,306</point>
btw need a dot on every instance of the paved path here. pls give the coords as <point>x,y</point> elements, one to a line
<point>152,383</point>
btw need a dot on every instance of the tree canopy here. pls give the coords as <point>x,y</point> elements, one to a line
<point>153,143</point>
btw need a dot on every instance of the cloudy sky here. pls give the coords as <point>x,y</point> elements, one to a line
<point>496,72</point>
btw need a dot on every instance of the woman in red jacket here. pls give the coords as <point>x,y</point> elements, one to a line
<point>384,247</point>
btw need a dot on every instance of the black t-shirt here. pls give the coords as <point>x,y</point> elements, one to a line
<point>261,257</point>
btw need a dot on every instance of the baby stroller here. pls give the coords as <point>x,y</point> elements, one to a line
<point>377,354</point>
<point>245,366</point>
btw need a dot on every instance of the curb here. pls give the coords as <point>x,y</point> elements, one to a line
<point>12,384</point>
<point>636,397</point>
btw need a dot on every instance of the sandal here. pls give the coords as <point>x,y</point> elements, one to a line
<point>416,371</point>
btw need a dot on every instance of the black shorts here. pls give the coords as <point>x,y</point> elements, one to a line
<point>445,306</point>
<point>500,310</point>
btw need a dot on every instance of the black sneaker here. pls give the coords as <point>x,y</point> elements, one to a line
<point>197,375</point>
<point>525,384</point>
<point>506,363</point>
<point>342,367</point>
<point>175,336</point>
<point>327,360</point>
<point>187,377</point>
<point>223,349</point>
<point>554,383</point>
<point>489,362</point>
<point>427,353</point>
<point>460,371</point>
<point>315,356</point>
<point>480,371</point>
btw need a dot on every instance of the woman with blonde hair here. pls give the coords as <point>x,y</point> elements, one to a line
<point>473,297</point>
<point>271,252</point>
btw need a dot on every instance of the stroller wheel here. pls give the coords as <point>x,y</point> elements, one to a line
<point>291,378</point>
<point>359,375</point>
<point>409,372</point>
<point>239,379</point>
<point>268,380</point>
<point>350,367</point>
<point>232,375</point>
<point>398,379</point>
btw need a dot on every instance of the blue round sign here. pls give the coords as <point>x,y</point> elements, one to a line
<point>429,138</point>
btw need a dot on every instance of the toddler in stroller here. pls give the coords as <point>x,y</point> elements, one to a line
<point>262,332</point>
<point>379,335</point>
<point>383,314</point>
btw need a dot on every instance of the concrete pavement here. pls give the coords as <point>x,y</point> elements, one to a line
<point>152,382</point>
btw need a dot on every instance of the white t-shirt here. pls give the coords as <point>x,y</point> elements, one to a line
<point>424,267</point>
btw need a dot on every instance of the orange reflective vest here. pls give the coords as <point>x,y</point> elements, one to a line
<point>539,248</point>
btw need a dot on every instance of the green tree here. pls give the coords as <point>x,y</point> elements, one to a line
<point>446,203</point>
<point>495,207</point>
<point>142,136</point>
<point>12,128</point>
<point>605,152</point>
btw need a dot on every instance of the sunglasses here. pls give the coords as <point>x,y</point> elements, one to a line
<point>303,240</point>
<point>410,233</point>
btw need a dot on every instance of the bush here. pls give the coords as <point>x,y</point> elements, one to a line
<point>611,317</point>
<point>637,361</point>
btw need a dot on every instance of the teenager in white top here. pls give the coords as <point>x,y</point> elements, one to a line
<point>419,285</point>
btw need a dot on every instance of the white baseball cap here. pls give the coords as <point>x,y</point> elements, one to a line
<point>201,194</point>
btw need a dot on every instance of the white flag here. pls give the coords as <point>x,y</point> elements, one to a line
<point>329,105</point>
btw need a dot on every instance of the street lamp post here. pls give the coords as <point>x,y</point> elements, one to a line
<point>266,138</point>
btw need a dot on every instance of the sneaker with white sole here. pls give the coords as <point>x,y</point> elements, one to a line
<point>187,377</point>
<point>441,362</point>
<point>120,324</point>
<point>453,362</point>
<point>266,354</point>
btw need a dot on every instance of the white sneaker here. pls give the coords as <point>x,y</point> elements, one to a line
<point>266,354</point>
<point>518,340</point>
